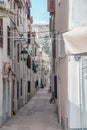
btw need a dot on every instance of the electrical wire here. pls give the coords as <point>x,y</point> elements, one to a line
<point>39,32</point>
<point>23,38</point>
<point>27,31</point>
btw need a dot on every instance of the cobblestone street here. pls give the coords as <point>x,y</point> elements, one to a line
<point>38,114</point>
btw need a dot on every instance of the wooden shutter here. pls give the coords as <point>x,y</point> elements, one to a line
<point>35,51</point>
<point>1,32</point>
<point>18,52</point>
<point>17,20</point>
<point>17,90</point>
<point>21,91</point>
<point>55,86</point>
<point>29,37</point>
<point>54,47</point>
<point>32,64</point>
<point>8,40</point>
<point>29,62</point>
<point>29,13</point>
<point>29,87</point>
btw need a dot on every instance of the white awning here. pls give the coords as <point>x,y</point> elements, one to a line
<point>76,41</point>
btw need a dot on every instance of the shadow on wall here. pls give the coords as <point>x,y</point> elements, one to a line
<point>77,117</point>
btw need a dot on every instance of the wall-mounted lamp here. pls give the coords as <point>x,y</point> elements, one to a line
<point>24,54</point>
<point>77,57</point>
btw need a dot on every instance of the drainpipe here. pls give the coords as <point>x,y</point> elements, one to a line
<point>52,52</point>
<point>80,93</point>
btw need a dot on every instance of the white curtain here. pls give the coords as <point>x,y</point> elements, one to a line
<point>76,41</point>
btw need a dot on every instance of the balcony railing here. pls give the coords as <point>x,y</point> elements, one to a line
<point>19,3</point>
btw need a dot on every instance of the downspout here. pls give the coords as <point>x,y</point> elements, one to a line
<point>80,92</point>
<point>53,60</point>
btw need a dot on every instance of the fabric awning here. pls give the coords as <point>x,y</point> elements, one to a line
<point>76,41</point>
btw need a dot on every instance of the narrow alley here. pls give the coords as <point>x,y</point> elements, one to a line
<point>43,43</point>
<point>38,114</point>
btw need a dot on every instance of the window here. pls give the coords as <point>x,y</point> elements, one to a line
<point>17,90</point>
<point>54,47</point>
<point>17,21</point>
<point>28,87</point>
<point>20,16</point>
<point>20,20</point>
<point>18,52</point>
<point>29,61</point>
<point>21,92</point>
<point>28,14</point>
<point>8,40</point>
<point>1,32</point>
<point>14,6</point>
<point>28,37</point>
<point>35,51</point>
<point>11,4</point>
<point>55,86</point>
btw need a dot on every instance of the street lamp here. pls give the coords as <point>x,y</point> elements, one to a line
<point>24,54</point>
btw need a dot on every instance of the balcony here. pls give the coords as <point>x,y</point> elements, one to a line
<point>31,19</point>
<point>19,3</point>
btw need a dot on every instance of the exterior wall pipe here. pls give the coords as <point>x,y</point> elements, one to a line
<point>52,56</point>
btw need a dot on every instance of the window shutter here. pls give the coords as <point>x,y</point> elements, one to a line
<point>29,87</point>
<point>1,32</point>
<point>29,62</point>
<point>28,37</point>
<point>8,40</point>
<point>55,86</point>
<point>17,20</point>
<point>29,13</point>
<point>18,52</point>
<point>32,64</point>
<point>17,90</point>
<point>35,51</point>
<point>21,91</point>
<point>54,49</point>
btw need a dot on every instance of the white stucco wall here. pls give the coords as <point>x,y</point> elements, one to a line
<point>4,87</point>
<point>70,13</point>
<point>79,12</point>
<point>62,16</point>
<point>73,93</point>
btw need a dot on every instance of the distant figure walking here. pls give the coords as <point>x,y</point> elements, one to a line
<point>49,90</point>
<point>52,99</point>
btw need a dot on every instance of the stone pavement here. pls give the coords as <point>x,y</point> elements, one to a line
<point>38,114</point>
